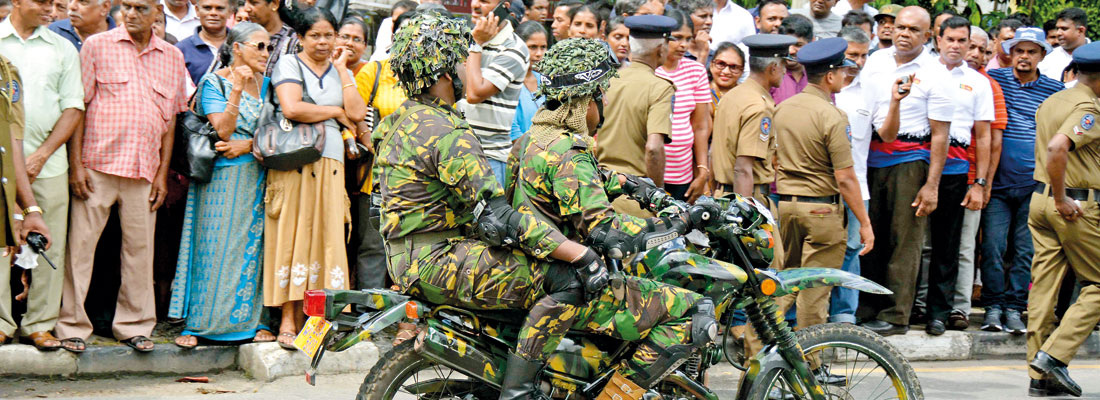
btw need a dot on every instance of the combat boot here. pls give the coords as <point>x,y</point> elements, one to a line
<point>519,379</point>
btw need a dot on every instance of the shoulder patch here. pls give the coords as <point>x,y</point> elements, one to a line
<point>16,91</point>
<point>765,128</point>
<point>1088,121</point>
<point>848,131</point>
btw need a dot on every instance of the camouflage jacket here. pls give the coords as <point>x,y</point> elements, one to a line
<point>432,174</point>
<point>562,181</point>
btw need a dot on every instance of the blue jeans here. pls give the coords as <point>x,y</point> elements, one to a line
<point>498,171</point>
<point>1005,276</point>
<point>843,301</point>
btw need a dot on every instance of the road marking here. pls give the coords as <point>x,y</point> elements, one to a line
<point>995,368</point>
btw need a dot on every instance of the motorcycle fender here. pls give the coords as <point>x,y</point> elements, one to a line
<point>461,352</point>
<point>759,365</point>
<point>798,279</point>
<point>377,322</point>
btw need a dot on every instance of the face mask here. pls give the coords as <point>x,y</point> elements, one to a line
<point>599,109</point>
<point>458,87</point>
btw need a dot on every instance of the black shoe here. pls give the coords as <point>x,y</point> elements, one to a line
<point>885,328</point>
<point>1057,372</point>
<point>519,379</point>
<point>1041,388</point>
<point>957,321</point>
<point>935,327</point>
<point>917,317</point>
<point>825,377</point>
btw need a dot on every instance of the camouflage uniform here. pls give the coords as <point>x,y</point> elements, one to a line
<point>553,175</point>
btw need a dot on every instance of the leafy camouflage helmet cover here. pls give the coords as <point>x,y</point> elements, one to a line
<point>425,47</point>
<point>575,68</point>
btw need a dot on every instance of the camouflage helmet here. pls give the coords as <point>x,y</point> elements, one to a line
<point>425,47</point>
<point>576,68</point>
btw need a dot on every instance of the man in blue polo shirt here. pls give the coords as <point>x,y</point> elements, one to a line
<point>1004,220</point>
<point>86,18</point>
<point>200,49</point>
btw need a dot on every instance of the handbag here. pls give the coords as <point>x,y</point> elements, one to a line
<point>195,137</point>
<point>285,145</point>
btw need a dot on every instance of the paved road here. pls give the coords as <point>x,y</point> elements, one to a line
<point>992,379</point>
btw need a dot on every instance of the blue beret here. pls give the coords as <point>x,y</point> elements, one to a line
<point>769,45</point>
<point>1087,57</point>
<point>650,26</point>
<point>824,54</point>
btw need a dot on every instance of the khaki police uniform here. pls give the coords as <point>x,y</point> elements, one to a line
<point>1061,244</point>
<point>811,216</point>
<point>639,104</point>
<point>11,127</point>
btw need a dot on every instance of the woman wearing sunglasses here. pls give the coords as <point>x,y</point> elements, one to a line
<point>217,283</point>
<point>726,68</point>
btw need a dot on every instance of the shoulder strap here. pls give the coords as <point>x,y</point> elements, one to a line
<point>397,124</point>
<point>377,77</point>
<point>305,86</point>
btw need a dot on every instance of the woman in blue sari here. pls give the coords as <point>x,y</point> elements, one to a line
<point>217,288</point>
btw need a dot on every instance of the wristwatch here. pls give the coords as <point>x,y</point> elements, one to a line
<point>31,210</point>
<point>980,182</point>
<point>475,48</point>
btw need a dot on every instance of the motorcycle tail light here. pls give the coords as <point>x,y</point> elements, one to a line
<point>411,311</point>
<point>314,304</point>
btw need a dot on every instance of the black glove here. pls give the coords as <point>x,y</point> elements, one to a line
<point>592,273</point>
<point>643,191</point>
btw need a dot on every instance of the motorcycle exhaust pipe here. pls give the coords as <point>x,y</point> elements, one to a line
<point>461,353</point>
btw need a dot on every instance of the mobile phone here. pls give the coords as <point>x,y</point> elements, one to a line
<point>904,80</point>
<point>501,12</point>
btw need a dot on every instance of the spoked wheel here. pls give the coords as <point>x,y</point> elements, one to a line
<point>851,363</point>
<point>402,374</point>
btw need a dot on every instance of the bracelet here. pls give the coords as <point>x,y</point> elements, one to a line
<point>349,85</point>
<point>32,210</point>
<point>701,166</point>
<point>232,105</point>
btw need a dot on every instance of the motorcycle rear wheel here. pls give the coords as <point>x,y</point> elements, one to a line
<point>871,368</point>
<point>402,368</point>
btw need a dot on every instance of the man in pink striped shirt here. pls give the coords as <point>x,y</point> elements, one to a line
<point>133,87</point>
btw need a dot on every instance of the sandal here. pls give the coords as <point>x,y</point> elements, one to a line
<point>65,344</point>
<point>405,331</point>
<point>270,337</point>
<point>289,345</point>
<point>136,343</point>
<point>3,339</point>
<point>187,346</point>
<point>40,339</point>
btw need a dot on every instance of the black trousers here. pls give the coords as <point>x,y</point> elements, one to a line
<point>370,260</point>
<point>945,223</point>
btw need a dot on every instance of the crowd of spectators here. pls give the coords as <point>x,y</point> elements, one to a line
<point>945,168</point>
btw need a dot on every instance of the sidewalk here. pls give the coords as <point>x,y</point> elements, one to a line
<point>268,361</point>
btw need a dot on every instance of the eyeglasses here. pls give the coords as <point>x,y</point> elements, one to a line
<point>353,39</point>
<point>261,46</point>
<point>721,65</point>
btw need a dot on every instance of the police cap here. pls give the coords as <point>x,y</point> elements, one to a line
<point>1087,57</point>
<point>650,26</point>
<point>824,54</point>
<point>769,45</point>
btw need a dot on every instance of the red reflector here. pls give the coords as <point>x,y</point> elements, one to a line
<point>410,311</point>
<point>314,304</point>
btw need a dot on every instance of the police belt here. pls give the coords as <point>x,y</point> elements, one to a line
<point>415,241</point>
<point>764,188</point>
<point>1073,193</point>
<point>811,199</point>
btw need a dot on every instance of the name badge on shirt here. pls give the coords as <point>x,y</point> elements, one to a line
<point>966,87</point>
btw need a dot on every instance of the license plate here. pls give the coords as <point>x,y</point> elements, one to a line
<point>309,339</point>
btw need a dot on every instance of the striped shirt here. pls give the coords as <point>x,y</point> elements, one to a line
<point>285,42</point>
<point>504,61</point>
<point>692,88</point>
<point>1000,119</point>
<point>1017,165</point>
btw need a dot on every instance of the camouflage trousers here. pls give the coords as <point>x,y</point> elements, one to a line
<point>468,273</point>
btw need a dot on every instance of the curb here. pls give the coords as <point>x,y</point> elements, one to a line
<point>267,361</point>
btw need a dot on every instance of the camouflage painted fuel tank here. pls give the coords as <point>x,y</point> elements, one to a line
<point>679,263</point>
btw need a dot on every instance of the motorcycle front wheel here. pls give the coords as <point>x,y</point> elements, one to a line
<point>402,374</point>
<point>851,362</point>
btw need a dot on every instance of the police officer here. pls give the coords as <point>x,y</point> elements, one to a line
<point>451,236</point>
<point>15,186</point>
<point>815,164</point>
<point>638,109</point>
<point>1063,220</point>
<point>553,174</point>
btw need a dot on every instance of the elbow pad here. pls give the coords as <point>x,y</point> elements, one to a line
<point>497,223</point>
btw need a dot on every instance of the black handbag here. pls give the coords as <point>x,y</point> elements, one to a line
<point>285,145</point>
<point>195,138</point>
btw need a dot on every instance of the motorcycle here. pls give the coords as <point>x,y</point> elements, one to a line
<point>461,354</point>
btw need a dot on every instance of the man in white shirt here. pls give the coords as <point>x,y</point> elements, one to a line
<point>731,23</point>
<point>970,126</point>
<point>1071,26</point>
<point>843,302</point>
<point>843,6</point>
<point>181,19</point>
<point>772,13</point>
<point>909,101</point>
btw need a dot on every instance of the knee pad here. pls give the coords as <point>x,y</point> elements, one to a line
<point>561,284</point>
<point>704,327</point>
